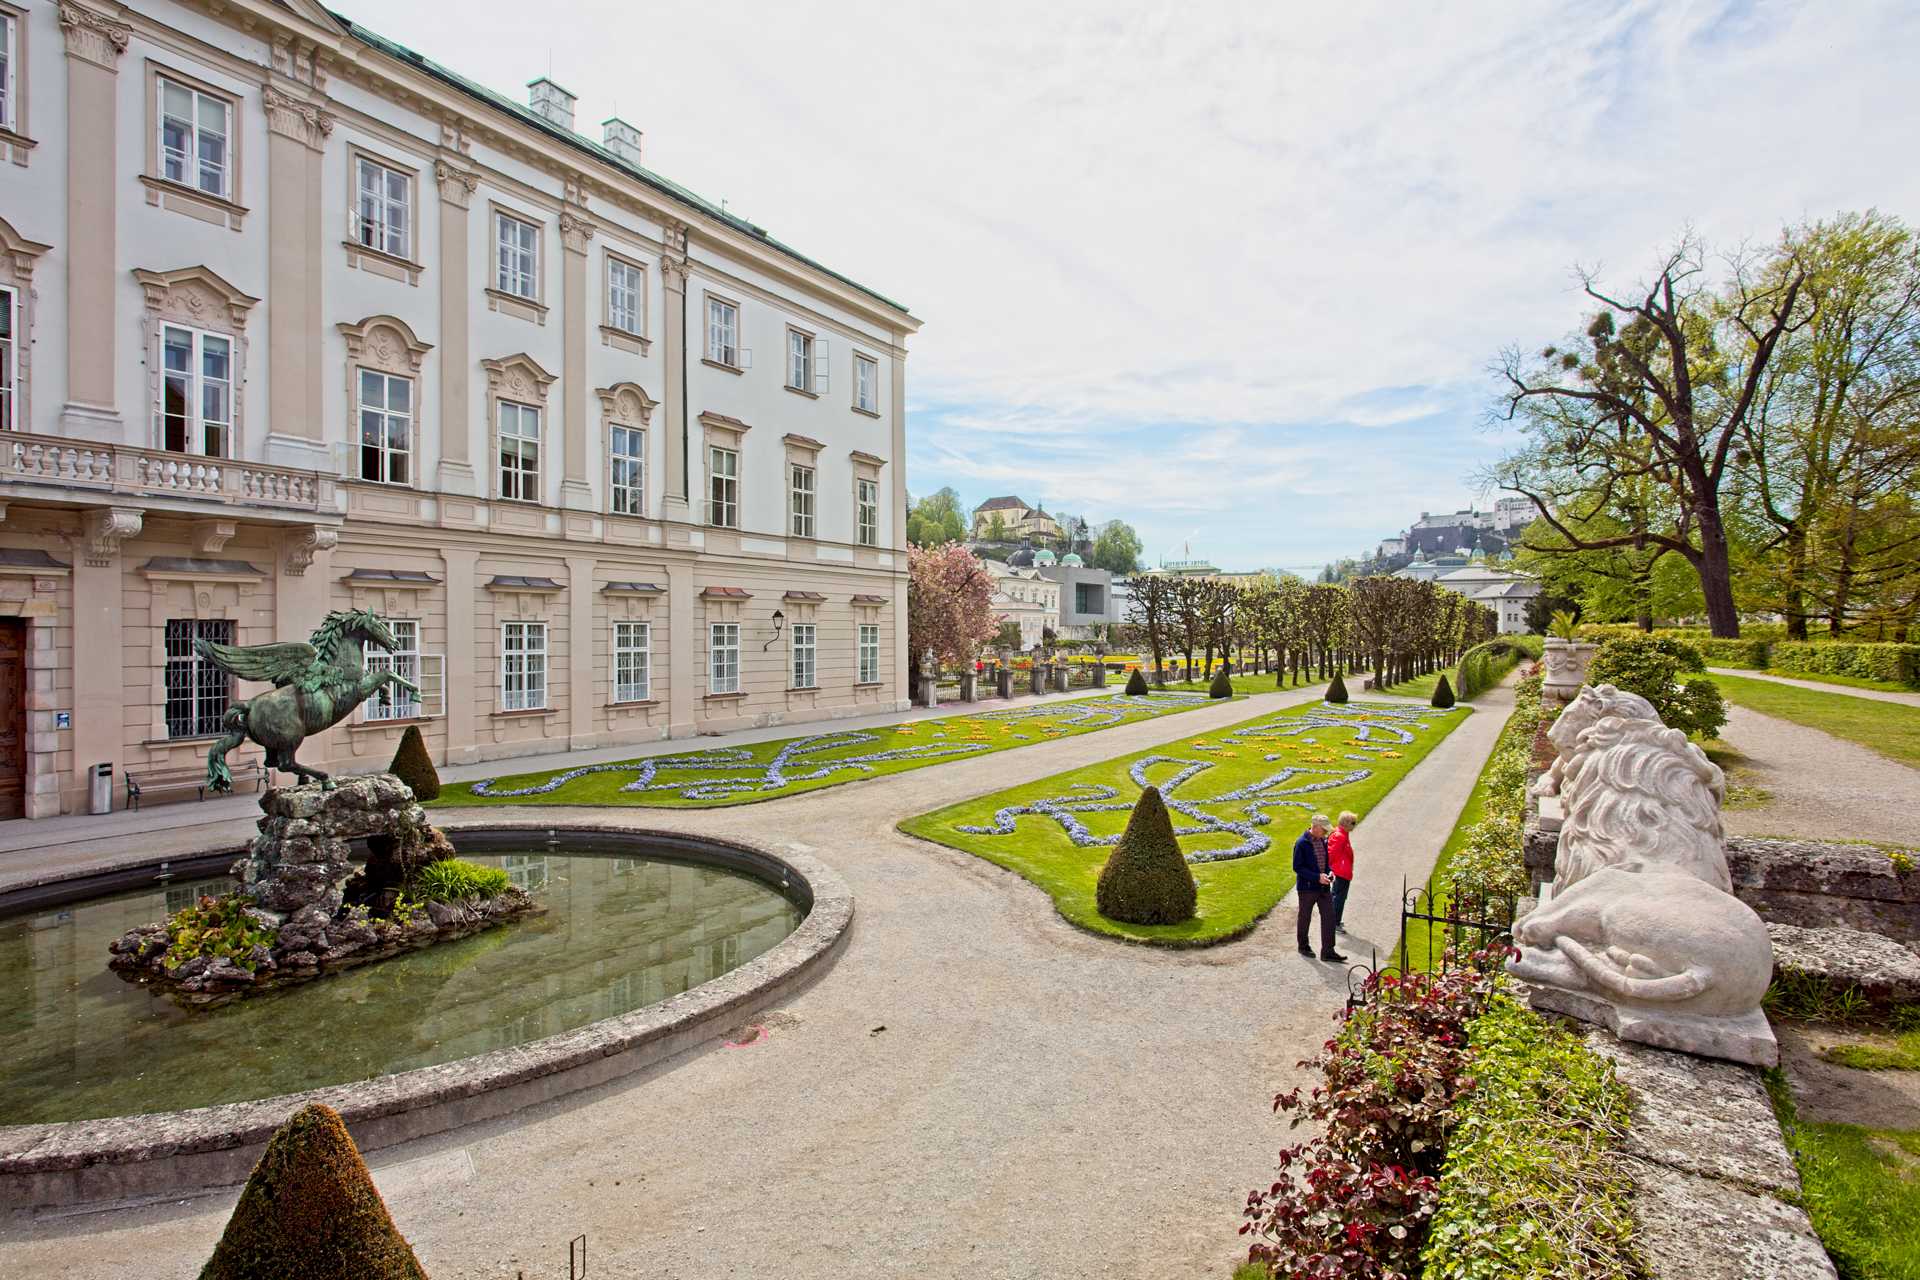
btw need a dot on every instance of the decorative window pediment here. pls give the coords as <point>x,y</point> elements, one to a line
<point>518,377</point>
<point>196,296</point>
<point>625,402</point>
<point>17,254</point>
<point>386,343</point>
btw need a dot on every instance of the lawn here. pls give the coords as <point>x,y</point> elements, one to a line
<point>1243,685</point>
<point>1239,799</point>
<point>1861,1187</point>
<point>1890,728</point>
<point>715,776</point>
<point>1418,687</point>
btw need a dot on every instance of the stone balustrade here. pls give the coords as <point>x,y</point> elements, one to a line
<point>126,471</point>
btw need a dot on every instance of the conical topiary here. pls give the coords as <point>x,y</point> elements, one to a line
<point>1222,686</point>
<point>1146,879</point>
<point>1337,691</point>
<point>414,766</point>
<point>1136,684</point>
<point>1443,692</point>
<point>311,1210</point>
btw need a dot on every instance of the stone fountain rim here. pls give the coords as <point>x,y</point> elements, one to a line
<point>203,1148</point>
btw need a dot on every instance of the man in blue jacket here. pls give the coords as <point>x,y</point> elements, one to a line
<point>1313,882</point>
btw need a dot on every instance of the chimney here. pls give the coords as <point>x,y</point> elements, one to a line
<point>621,138</point>
<point>551,103</point>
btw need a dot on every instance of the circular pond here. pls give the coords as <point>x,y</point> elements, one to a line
<point>623,928</point>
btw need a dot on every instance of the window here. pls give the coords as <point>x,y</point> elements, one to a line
<point>804,651</point>
<point>195,133</point>
<point>723,497</point>
<point>866,512</point>
<point>723,332</point>
<point>1086,598</point>
<point>386,427</point>
<point>196,391</point>
<point>9,60</point>
<point>627,456</point>
<point>392,701</point>
<point>723,657</point>
<point>9,376</point>
<point>197,691</point>
<point>800,501</point>
<point>632,661</point>
<point>516,257</point>
<point>383,216</point>
<point>523,666</point>
<point>869,653</point>
<point>866,384</point>
<point>519,452</point>
<point>626,289</point>
<point>800,360</point>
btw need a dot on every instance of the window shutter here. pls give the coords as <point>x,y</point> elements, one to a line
<point>743,358</point>
<point>822,363</point>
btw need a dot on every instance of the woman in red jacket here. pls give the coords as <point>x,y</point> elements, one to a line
<point>1340,863</point>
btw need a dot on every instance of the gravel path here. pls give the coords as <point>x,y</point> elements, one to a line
<point>975,1088</point>
<point>1876,695</point>
<point>1822,788</point>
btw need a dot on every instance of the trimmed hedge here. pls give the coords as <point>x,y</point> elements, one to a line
<point>1222,686</point>
<point>1337,691</point>
<point>1136,684</point>
<point>1442,692</point>
<point>1147,879</point>
<point>1486,664</point>
<point>414,766</point>
<point>1653,667</point>
<point>1899,663</point>
<point>1534,1182</point>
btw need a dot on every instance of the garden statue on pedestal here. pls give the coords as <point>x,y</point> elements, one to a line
<point>1641,932</point>
<point>315,686</point>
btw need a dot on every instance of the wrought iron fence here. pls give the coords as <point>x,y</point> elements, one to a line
<point>1454,925</point>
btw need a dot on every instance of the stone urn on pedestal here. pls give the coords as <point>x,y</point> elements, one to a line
<point>1099,666</point>
<point>1566,662</point>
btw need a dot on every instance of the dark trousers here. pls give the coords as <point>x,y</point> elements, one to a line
<point>1310,898</point>
<point>1340,888</point>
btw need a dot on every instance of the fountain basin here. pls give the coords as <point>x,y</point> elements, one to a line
<point>202,1147</point>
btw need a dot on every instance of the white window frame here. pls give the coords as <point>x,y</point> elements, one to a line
<point>516,264</point>
<point>868,642</point>
<point>866,383</point>
<point>804,641</point>
<point>188,168</point>
<point>372,215</point>
<point>866,511</point>
<point>723,657</point>
<point>632,661</point>
<point>9,73</point>
<point>800,360</point>
<point>626,469</point>
<point>635,292</point>
<point>392,701</point>
<point>526,486</point>
<point>523,666</point>
<point>802,491</point>
<point>389,419</point>
<point>10,316</point>
<point>723,487</point>
<point>723,332</point>
<point>197,383</point>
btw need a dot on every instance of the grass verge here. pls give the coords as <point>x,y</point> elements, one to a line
<point>714,777</point>
<point>1903,1054</point>
<point>1244,686</point>
<point>1861,1187</point>
<point>1057,831</point>
<point>1889,728</point>
<point>1418,687</point>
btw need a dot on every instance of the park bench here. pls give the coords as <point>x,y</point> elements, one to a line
<point>148,782</point>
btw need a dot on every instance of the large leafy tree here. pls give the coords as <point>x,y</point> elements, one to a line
<point>1116,548</point>
<point>1152,608</point>
<point>1656,393</point>
<point>936,519</point>
<point>949,604</point>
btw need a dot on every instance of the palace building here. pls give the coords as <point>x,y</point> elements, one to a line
<point>293,319</point>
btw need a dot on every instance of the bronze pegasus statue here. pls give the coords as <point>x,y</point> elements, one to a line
<point>316,686</point>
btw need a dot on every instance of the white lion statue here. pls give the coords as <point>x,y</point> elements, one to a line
<point>1641,930</point>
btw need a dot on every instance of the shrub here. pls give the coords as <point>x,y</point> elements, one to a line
<point>1651,666</point>
<point>311,1210</point>
<point>1743,652</point>
<point>1222,686</point>
<point>414,766</point>
<point>1485,665</point>
<point>1898,663</point>
<point>1147,879</point>
<point>1490,862</point>
<point>452,879</point>
<point>1337,691</point>
<point>1136,684</point>
<point>1534,1183</point>
<point>217,927</point>
<point>1443,692</point>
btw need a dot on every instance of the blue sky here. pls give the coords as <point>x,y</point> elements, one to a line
<point>1232,272</point>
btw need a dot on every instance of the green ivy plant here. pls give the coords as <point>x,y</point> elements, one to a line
<point>217,927</point>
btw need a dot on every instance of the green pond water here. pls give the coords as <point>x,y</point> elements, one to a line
<point>77,1042</point>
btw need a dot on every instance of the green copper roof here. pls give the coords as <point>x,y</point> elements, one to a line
<point>525,115</point>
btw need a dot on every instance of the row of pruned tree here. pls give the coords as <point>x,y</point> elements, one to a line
<point>1398,627</point>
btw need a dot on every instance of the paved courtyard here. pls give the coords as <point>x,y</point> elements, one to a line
<point>973,1088</point>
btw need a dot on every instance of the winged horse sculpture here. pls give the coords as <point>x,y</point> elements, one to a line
<point>316,686</point>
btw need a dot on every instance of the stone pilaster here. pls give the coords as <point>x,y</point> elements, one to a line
<point>456,185</point>
<point>576,233</point>
<point>297,129</point>
<point>583,707</point>
<point>461,695</point>
<point>94,45</point>
<point>673,274</point>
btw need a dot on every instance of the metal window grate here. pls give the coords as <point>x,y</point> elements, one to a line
<point>197,691</point>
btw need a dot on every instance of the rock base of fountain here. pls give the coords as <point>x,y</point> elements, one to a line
<point>307,907</point>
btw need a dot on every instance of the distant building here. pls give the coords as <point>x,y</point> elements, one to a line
<point>1086,597</point>
<point>1507,594</point>
<point>1021,522</point>
<point>1026,599</point>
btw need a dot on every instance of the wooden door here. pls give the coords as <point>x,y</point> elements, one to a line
<point>13,717</point>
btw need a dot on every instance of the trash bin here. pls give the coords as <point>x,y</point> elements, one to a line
<point>100,788</point>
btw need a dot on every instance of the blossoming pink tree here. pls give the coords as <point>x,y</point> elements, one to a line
<point>949,604</point>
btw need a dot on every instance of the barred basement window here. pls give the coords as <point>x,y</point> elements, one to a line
<point>197,691</point>
<point>869,653</point>
<point>632,659</point>
<point>804,654</point>
<point>523,666</point>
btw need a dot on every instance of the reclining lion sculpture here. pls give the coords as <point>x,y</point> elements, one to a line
<point>1640,930</point>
